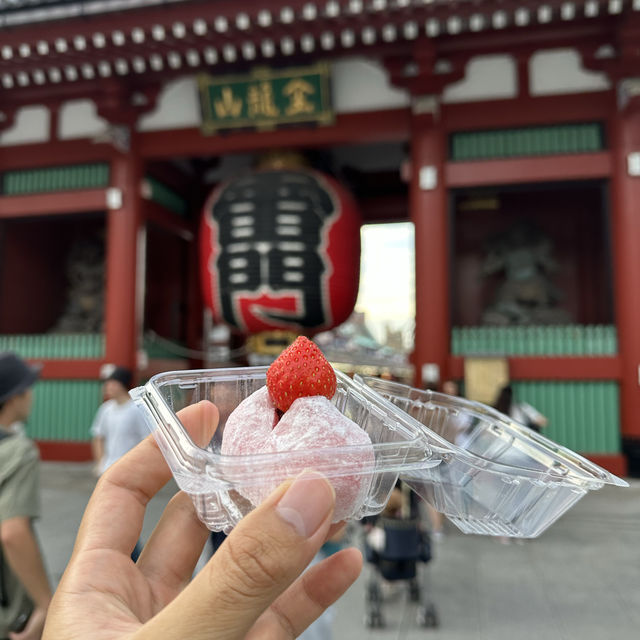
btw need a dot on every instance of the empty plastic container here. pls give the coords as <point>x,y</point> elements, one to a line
<point>497,477</point>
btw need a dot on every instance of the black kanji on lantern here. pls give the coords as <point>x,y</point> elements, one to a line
<point>271,233</point>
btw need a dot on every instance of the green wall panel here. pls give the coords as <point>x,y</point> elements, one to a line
<point>562,340</point>
<point>65,178</point>
<point>167,197</point>
<point>584,416</point>
<point>529,141</point>
<point>55,346</point>
<point>64,409</point>
<point>157,347</point>
<point>81,176</point>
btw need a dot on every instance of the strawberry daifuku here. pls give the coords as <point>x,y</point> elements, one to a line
<point>309,425</point>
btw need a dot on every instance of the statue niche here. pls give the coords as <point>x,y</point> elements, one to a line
<point>85,270</point>
<point>527,294</point>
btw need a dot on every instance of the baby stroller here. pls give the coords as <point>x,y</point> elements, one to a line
<point>394,547</point>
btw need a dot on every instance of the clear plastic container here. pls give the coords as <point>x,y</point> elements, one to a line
<point>219,484</point>
<point>497,477</point>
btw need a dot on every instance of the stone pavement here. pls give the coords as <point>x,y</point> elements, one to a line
<point>579,581</point>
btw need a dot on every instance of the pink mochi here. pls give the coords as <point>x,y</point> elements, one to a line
<point>309,426</point>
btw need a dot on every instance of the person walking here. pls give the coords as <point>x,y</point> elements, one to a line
<point>117,427</point>
<point>521,412</point>
<point>25,591</point>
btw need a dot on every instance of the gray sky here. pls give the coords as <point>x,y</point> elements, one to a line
<point>387,279</point>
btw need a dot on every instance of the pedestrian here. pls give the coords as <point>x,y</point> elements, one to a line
<point>520,412</point>
<point>118,425</point>
<point>25,591</point>
<point>450,388</point>
<point>252,586</point>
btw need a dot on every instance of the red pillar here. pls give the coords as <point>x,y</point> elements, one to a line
<point>124,229</point>
<point>625,220</point>
<point>428,204</point>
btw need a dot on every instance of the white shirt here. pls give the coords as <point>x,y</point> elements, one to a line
<point>525,414</point>
<point>121,426</point>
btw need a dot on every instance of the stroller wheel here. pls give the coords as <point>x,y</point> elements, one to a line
<point>374,620</point>
<point>427,617</point>
<point>414,591</point>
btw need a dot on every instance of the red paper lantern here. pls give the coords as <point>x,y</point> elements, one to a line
<point>280,249</point>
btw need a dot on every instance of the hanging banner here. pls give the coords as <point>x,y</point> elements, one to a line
<point>280,249</point>
<point>266,99</point>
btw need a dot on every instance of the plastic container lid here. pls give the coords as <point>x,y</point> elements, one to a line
<point>497,477</point>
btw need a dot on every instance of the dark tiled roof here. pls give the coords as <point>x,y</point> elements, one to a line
<point>18,12</point>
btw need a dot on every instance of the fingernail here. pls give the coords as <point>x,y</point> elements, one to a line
<point>306,503</point>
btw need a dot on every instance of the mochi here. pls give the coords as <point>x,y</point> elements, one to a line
<point>311,434</point>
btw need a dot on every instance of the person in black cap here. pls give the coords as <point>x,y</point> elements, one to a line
<point>25,591</point>
<point>118,425</point>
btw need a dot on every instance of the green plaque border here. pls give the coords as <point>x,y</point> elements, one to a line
<point>210,126</point>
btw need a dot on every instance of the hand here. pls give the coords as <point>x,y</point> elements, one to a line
<point>251,588</point>
<point>33,628</point>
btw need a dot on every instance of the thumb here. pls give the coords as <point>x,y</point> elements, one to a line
<point>264,554</point>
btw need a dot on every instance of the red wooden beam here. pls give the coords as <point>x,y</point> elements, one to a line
<point>170,175</point>
<point>53,154</point>
<point>60,202</point>
<point>615,463</point>
<point>70,369</point>
<point>527,111</point>
<point>64,451</point>
<point>553,368</point>
<point>169,221</point>
<point>585,166</point>
<point>351,128</point>
<point>374,126</point>
<point>384,208</point>
<point>556,35</point>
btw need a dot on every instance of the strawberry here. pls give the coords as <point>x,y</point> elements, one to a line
<point>300,370</point>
